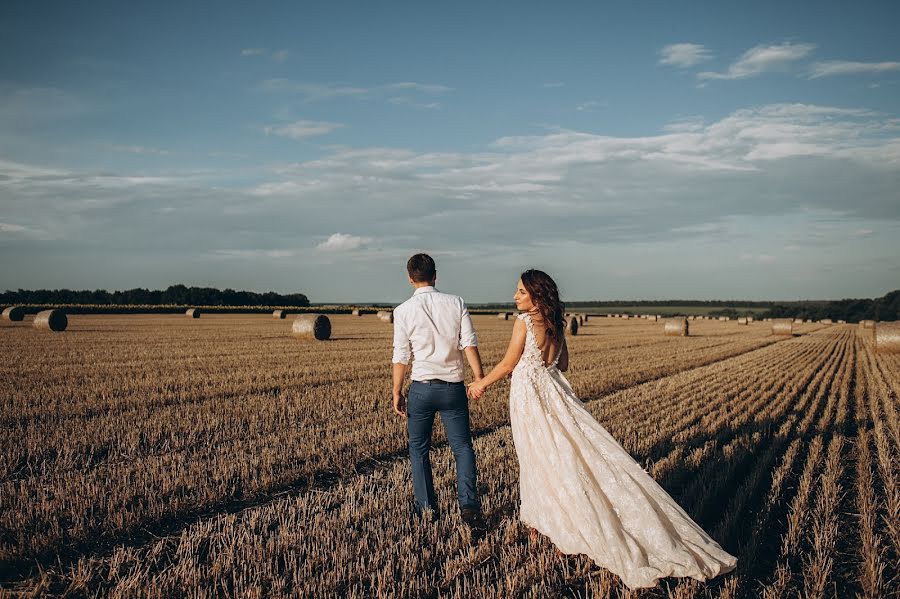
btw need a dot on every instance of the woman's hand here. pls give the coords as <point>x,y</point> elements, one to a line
<point>475,390</point>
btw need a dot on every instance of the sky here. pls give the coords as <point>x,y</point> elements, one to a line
<point>652,150</point>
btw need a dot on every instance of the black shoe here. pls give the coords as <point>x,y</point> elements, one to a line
<point>472,518</point>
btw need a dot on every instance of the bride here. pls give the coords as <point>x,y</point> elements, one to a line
<point>578,485</point>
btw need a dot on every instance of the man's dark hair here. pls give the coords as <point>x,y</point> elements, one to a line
<point>421,268</point>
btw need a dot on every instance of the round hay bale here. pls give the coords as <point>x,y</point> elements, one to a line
<point>51,320</point>
<point>742,320</point>
<point>798,321</point>
<point>887,337</point>
<point>677,327</point>
<point>503,315</point>
<point>386,315</point>
<point>14,313</point>
<point>280,314</point>
<point>842,322</point>
<point>826,321</point>
<point>581,320</point>
<point>193,313</point>
<point>723,318</point>
<point>749,319</point>
<point>782,326</point>
<point>355,312</point>
<point>572,325</point>
<point>586,317</point>
<point>312,326</point>
<point>867,324</point>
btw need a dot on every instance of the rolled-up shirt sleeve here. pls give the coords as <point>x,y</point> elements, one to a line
<point>467,336</point>
<point>402,354</point>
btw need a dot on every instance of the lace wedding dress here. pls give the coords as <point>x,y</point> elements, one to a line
<point>582,489</point>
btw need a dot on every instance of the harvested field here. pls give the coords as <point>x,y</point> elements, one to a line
<point>155,456</point>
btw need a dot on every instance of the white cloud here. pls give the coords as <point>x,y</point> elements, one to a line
<point>405,101</point>
<point>340,242</point>
<point>254,253</point>
<point>588,106</point>
<point>427,88</point>
<point>685,125</point>
<point>759,258</point>
<point>684,55</point>
<point>517,201</point>
<point>846,67</point>
<point>10,228</point>
<point>140,150</point>
<point>761,59</point>
<point>276,55</point>
<point>324,91</point>
<point>554,84</point>
<point>302,129</point>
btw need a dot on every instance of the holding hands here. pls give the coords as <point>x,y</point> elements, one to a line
<point>475,390</point>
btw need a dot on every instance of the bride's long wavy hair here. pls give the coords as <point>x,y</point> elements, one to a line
<point>545,295</point>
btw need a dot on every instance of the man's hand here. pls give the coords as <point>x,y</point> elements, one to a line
<point>475,390</point>
<point>399,404</point>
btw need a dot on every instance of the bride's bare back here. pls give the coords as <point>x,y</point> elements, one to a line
<point>548,345</point>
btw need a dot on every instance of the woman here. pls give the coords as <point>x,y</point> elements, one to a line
<point>577,484</point>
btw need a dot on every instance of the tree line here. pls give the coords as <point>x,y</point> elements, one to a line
<point>174,294</point>
<point>886,308</point>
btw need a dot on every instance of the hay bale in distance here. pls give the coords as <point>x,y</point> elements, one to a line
<point>14,313</point>
<point>842,322</point>
<point>386,315</point>
<point>503,315</point>
<point>355,312</point>
<point>193,313</point>
<point>826,321</point>
<point>312,326</point>
<point>749,319</point>
<point>887,337</point>
<point>742,320</point>
<point>585,317</point>
<point>782,326</point>
<point>677,327</point>
<point>572,325</point>
<point>867,324</point>
<point>280,314</point>
<point>51,320</point>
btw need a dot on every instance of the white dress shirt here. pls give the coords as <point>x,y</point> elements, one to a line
<point>433,328</point>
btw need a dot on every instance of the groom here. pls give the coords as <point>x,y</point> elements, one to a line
<point>435,330</point>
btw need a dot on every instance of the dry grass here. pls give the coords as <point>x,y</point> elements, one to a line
<point>153,457</point>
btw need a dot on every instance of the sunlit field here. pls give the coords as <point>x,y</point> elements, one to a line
<point>164,456</point>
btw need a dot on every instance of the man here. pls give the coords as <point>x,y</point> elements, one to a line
<point>435,330</point>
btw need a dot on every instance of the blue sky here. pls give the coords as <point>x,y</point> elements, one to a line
<point>691,150</point>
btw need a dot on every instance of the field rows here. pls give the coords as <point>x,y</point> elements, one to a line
<point>785,452</point>
<point>165,441</point>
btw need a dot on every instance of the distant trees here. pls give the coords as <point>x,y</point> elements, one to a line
<point>885,308</point>
<point>174,294</point>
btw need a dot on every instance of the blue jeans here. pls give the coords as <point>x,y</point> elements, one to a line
<point>423,402</point>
